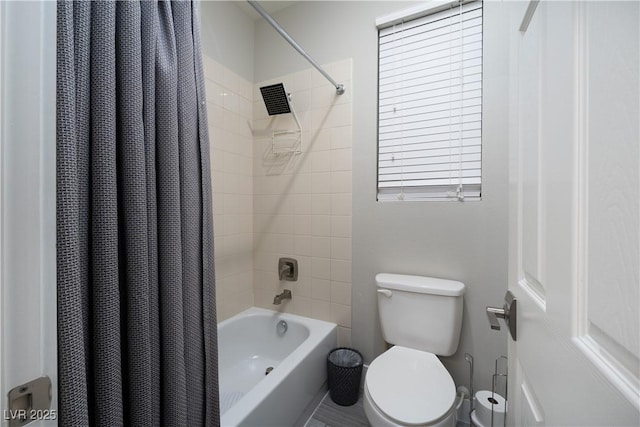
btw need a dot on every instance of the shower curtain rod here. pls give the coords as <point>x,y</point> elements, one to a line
<point>339,87</point>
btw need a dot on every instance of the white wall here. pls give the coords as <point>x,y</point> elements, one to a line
<point>227,36</point>
<point>462,241</point>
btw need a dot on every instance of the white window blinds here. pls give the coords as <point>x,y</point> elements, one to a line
<point>430,106</point>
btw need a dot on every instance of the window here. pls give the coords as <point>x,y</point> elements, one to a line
<point>430,104</point>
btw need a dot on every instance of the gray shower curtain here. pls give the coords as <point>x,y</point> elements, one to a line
<point>137,340</point>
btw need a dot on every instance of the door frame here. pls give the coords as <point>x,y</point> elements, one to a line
<point>28,306</point>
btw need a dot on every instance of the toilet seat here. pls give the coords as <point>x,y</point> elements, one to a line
<point>410,387</point>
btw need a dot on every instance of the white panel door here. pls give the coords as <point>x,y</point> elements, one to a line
<point>27,181</point>
<point>575,213</point>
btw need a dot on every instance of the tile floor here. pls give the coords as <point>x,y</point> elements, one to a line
<point>329,414</point>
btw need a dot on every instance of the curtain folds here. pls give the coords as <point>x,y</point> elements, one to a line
<point>136,298</point>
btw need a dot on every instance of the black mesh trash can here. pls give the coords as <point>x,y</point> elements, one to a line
<point>344,369</point>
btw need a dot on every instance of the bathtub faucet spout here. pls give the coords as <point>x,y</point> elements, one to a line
<point>286,294</point>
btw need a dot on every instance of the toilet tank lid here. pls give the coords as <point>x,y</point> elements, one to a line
<point>420,284</point>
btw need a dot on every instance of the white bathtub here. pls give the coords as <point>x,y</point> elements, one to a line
<point>248,344</point>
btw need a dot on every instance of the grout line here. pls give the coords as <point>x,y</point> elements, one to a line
<point>317,407</point>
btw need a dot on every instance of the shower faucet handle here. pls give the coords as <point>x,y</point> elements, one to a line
<point>508,312</point>
<point>288,269</point>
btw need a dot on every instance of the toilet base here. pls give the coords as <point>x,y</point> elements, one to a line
<point>379,419</point>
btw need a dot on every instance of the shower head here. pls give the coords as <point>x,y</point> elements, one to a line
<point>276,99</point>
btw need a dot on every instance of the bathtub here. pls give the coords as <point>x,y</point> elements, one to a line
<point>249,344</point>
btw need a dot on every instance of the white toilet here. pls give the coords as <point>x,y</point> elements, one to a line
<point>407,385</point>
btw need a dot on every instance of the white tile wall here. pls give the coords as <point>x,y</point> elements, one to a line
<point>296,205</point>
<point>302,202</point>
<point>230,114</point>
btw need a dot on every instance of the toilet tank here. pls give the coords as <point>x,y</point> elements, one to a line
<point>423,313</point>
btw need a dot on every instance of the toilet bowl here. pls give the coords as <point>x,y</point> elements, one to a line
<point>407,387</point>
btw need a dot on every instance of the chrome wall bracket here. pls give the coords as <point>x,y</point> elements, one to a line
<point>508,312</point>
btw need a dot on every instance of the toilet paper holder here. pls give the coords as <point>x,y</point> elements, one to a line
<point>508,312</point>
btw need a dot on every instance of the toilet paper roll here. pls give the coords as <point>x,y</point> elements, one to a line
<point>476,422</point>
<point>487,401</point>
